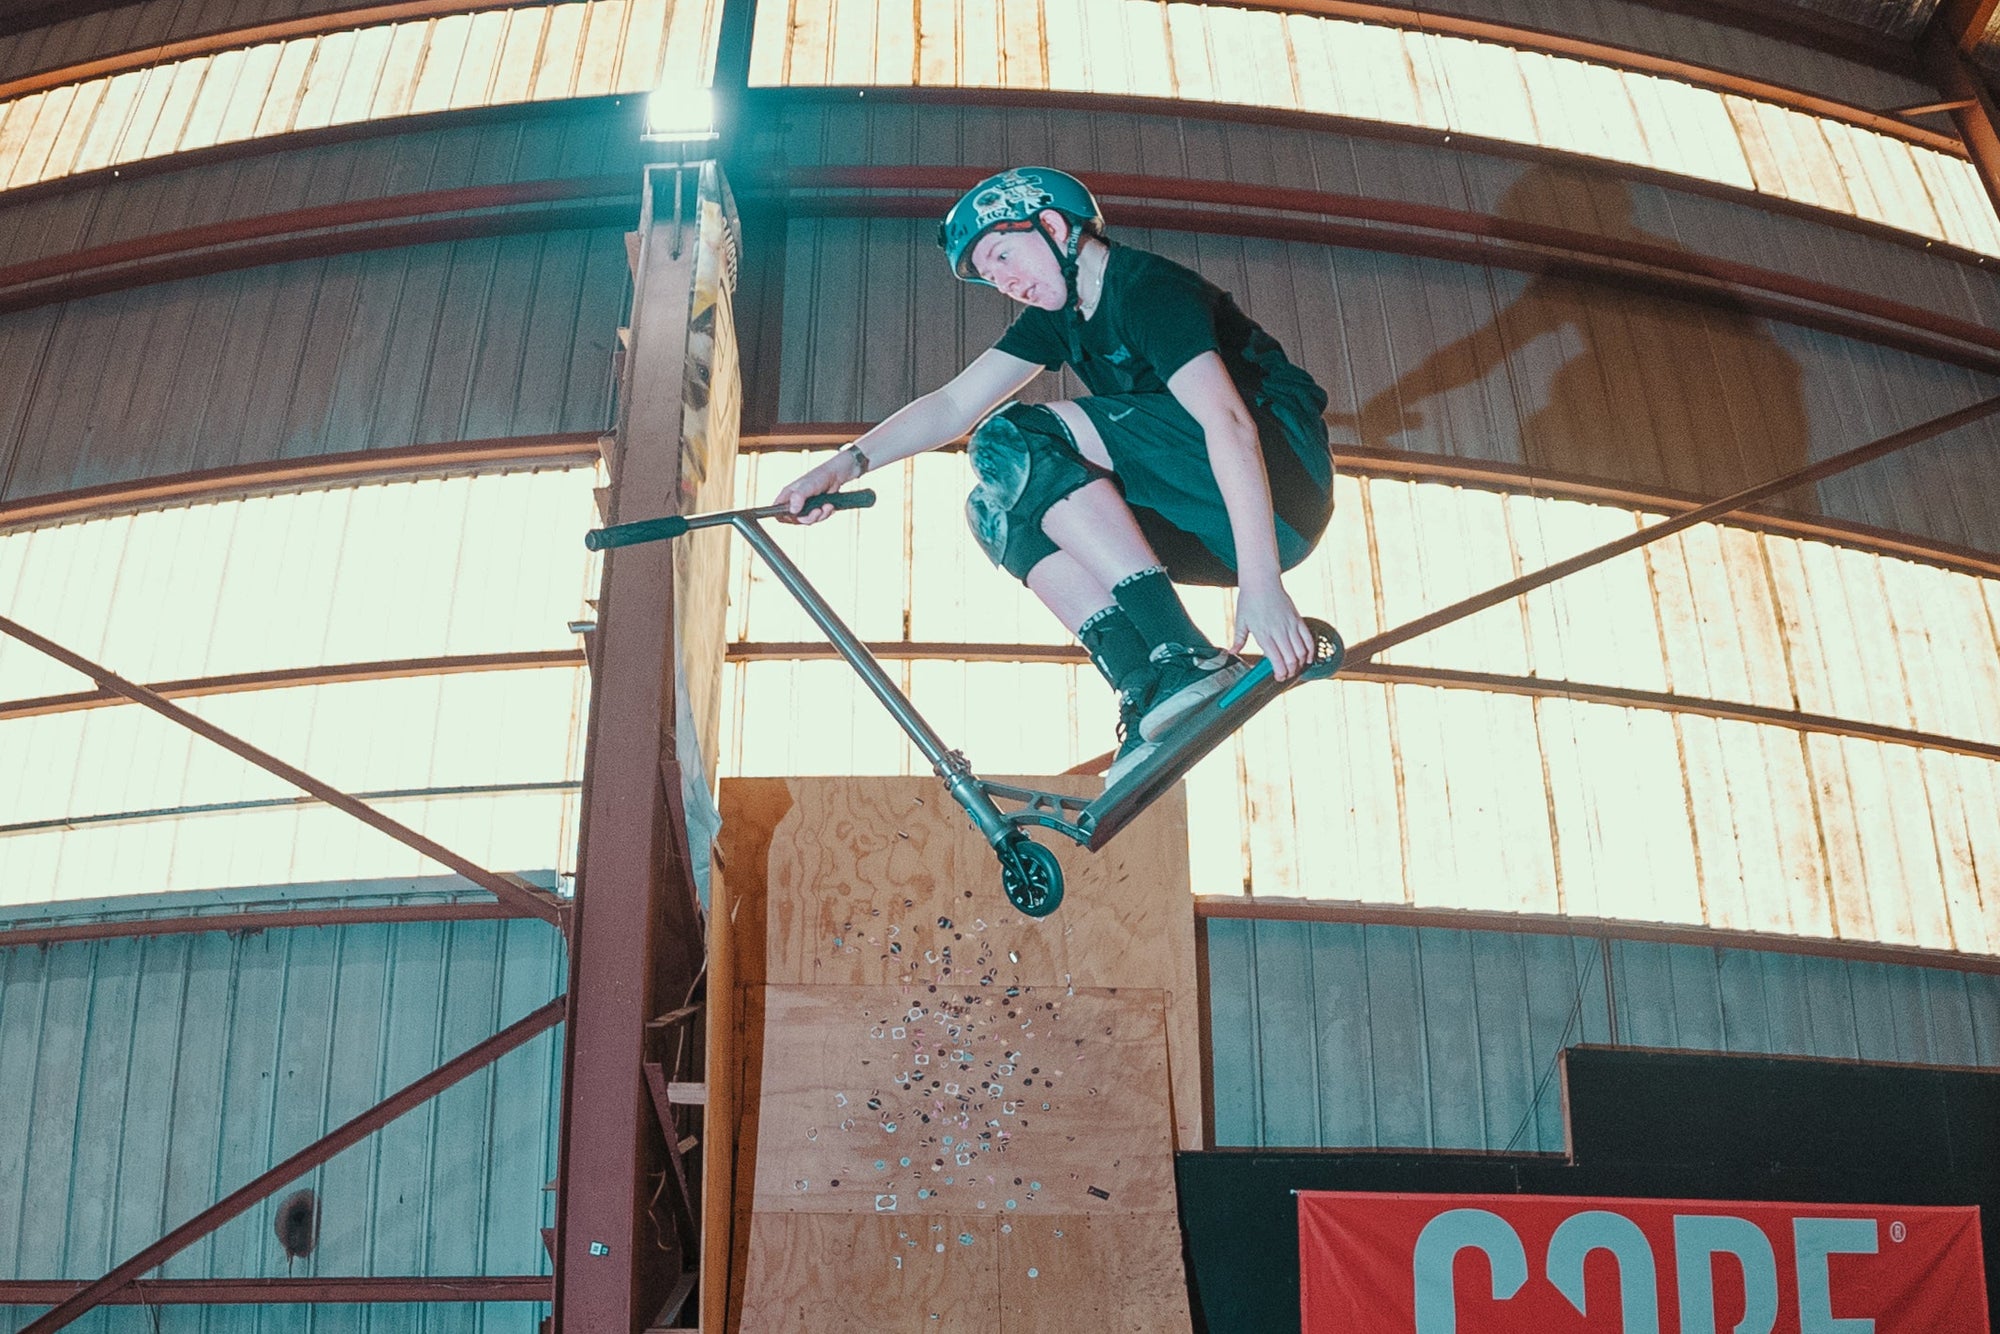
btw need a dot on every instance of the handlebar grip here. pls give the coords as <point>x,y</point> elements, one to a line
<point>630,534</point>
<point>840,500</point>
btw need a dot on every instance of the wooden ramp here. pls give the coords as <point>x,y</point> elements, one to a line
<point>949,1117</point>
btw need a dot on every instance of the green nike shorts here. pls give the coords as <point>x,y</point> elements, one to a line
<point>1159,458</point>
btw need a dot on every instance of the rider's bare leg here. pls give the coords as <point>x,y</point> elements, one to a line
<point>1095,527</point>
<point>1068,589</point>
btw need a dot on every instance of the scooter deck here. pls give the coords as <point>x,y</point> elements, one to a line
<point>1190,740</point>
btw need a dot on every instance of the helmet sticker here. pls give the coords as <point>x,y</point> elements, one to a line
<point>1011,194</point>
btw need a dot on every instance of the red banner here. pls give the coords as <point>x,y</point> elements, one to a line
<point>1547,1264</point>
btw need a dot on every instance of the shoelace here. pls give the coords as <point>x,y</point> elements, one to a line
<point>1129,714</point>
<point>1131,709</point>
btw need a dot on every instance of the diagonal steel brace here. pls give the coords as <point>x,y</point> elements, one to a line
<point>531,900</point>
<point>1367,649</point>
<point>381,1114</point>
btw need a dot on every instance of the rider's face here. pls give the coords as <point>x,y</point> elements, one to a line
<point>1023,265</point>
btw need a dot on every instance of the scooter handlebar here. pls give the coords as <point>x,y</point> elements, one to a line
<point>656,530</point>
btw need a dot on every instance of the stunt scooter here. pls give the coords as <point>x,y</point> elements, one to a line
<point>1030,876</point>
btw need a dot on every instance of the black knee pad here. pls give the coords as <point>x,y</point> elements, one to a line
<point>1025,461</point>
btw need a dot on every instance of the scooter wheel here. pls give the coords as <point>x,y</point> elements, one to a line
<point>1329,651</point>
<point>1030,876</point>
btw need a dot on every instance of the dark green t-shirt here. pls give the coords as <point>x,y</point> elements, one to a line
<point>1152,318</point>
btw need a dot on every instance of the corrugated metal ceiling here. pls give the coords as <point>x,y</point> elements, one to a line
<point>1900,19</point>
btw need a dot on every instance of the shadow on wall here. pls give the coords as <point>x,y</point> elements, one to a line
<point>1615,384</point>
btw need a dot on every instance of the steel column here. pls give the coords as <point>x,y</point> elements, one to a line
<point>381,1114</point>
<point>637,946</point>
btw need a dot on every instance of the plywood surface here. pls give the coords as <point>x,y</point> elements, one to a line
<point>884,882</point>
<point>1103,1272</point>
<point>723,1020</point>
<point>999,1101</point>
<point>849,1274</point>
<point>953,1116</point>
<point>877,1274</point>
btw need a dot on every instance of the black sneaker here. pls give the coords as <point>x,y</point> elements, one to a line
<point>1188,678</point>
<point>1133,747</point>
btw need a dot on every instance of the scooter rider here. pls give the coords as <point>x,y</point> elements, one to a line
<point>1199,456</point>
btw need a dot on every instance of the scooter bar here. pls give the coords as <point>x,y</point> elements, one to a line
<point>656,530</point>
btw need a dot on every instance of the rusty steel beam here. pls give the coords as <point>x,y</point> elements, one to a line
<point>1459,141</point>
<point>1944,50</point>
<point>1247,907</point>
<point>1963,22</point>
<point>534,901</point>
<point>229,39</point>
<point>1930,108</point>
<point>568,449</point>
<point>1662,702</point>
<point>1459,235</point>
<point>1445,678</point>
<point>351,213</point>
<point>1521,37</point>
<point>306,244</point>
<point>305,1160</point>
<point>1512,478</point>
<point>283,919</point>
<point>278,1291</point>
<point>351,132</point>
<point>202,687</point>
<point>1367,649</point>
<point>637,943</point>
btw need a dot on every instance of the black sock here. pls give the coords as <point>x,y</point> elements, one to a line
<point>1148,597</point>
<point>1115,646</point>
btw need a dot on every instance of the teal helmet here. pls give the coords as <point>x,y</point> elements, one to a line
<point>1014,200</point>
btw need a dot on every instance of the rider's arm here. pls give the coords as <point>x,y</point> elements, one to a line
<point>1204,388</point>
<point>937,418</point>
<point>1263,608</point>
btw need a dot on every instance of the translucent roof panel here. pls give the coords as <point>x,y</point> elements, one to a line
<point>1380,72</point>
<point>530,53</point>
<point>1716,612</point>
<point>1531,784</point>
<point>384,591</point>
<point>383,572</point>
<point>121,801</point>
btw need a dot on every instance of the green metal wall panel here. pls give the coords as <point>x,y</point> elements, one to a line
<point>143,1079</point>
<point>1348,1036</point>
